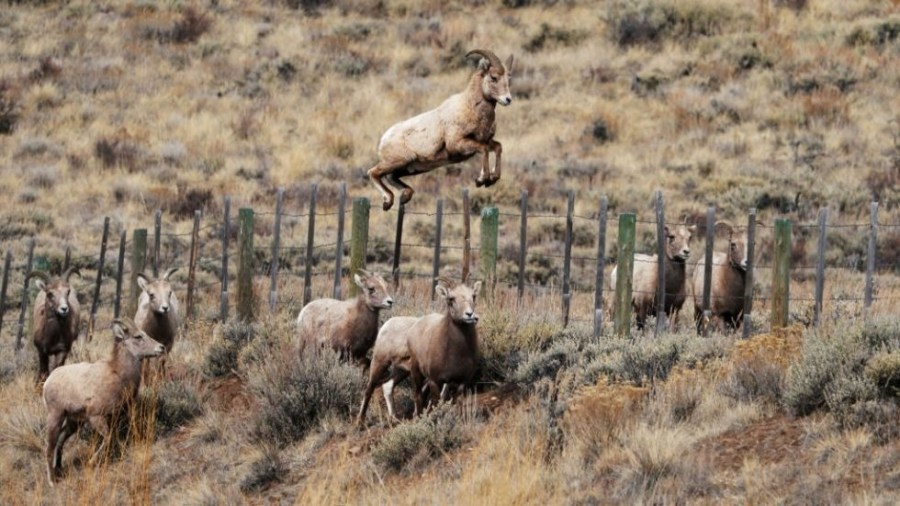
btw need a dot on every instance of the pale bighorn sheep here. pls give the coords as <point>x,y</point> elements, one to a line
<point>438,351</point>
<point>456,130</point>
<point>646,274</point>
<point>729,277</point>
<point>56,317</point>
<point>157,311</point>
<point>348,326</point>
<point>94,392</point>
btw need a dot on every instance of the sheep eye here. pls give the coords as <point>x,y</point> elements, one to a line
<point>451,300</point>
<point>152,296</point>
<point>50,296</point>
<point>733,246</point>
<point>493,79</point>
<point>371,291</point>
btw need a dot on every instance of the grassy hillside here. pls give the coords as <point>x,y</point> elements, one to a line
<point>120,108</point>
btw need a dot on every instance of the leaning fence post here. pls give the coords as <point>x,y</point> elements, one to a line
<point>870,258</point>
<point>523,243</point>
<point>820,266</point>
<point>601,264</point>
<point>138,264</point>
<point>661,242</point>
<point>95,303</point>
<point>748,276</point>
<point>20,331</point>
<point>625,268</point>
<point>567,259</point>
<point>192,264</point>
<point>157,232</point>
<point>226,231</point>
<point>487,257</point>
<point>276,250</point>
<point>245,298</point>
<point>467,235</point>
<point>436,261</point>
<point>310,243</point>
<point>398,241</point>
<point>358,241</point>
<point>707,269</point>
<point>120,269</point>
<point>7,263</point>
<point>781,273</point>
<point>339,249</point>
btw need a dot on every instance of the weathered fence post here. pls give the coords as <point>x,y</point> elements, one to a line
<point>20,331</point>
<point>310,243</point>
<point>120,269</point>
<point>523,243</point>
<point>95,303</point>
<point>245,296</point>
<point>748,276</point>
<point>436,261</point>
<point>870,258</point>
<point>487,256</point>
<point>820,266</point>
<point>707,269</point>
<point>226,231</point>
<point>276,250</point>
<point>567,259</point>
<point>625,269</point>
<point>157,233</point>
<point>661,241</point>
<point>467,235</point>
<point>781,273</point>
<point>339,250</point>
<point>601,264</point>
<point>359,241</point>
<point>7,263</point>
<point>192,264</point>
<point>398,241</point>
<point>138,263</point>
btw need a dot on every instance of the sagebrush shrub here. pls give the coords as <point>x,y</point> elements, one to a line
<point>176,404</point>
<point>408,445</point>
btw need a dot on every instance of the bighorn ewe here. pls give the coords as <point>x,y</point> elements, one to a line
<point>645,282</point>
<point>390,362</point>
<point>94,392</point>
<point>56,319</point>
<point>349,326</point>
<point>456,130</point>
<point>157,312</point>
<point>729,273</point>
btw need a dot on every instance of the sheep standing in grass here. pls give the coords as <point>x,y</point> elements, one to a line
<point>349,326</point>
<point>56,319</point>
<point>94,392</point>
<point>645,277</point>
<point>456,130</point>
<point>390,362</point>
<point>157,312</point>
<point>729,278</point>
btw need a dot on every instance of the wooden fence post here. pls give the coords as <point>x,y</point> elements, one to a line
<point>20,331</point>
<point>601,265</point>
<point>748,276</point>
<point>68,259</point>
<point>781,273</point>
<point>707,270</point>
<point>276,251</point>
<point>661,242</point>
<point>138,264</point>
<point>523,244</point>
<point>870,258</point>
<point>95,303</point>
<point>120,269</point>
<point>7,263</point>
<point>625,266</point>
<point>358,241</point>
<point>226,231</point>
<point>310,243</point>
<point>467,236</point>
<point>192,264</point>
<point>157,233</point>
<point>820,266</point>
<point>245,296</point>
<point>567,259</point>
<point>398,241</point>
<point>339,250</point>
<point>436,261</point>
<point>487,257</point>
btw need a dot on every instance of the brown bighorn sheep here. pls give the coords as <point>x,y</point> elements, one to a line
<point>645,283</point>
<point>94,392</point>
<point>157,311</point>
<point>729,275</point>
<point>390,362</point>
<point>56,319</point>
<point>456,130</point>
<point>348,326</point>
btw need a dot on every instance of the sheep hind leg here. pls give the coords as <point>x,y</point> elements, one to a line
<point>406,192</point>
<point>375,174</point>
<point>376,378</point>
<point>54,449</point>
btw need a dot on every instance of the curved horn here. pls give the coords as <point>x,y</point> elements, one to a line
<point>169,273</point>
<point>725,225</point>
<point>447,282</point>
<point>491,57</point>
<point>68,274</point>
<point>37,274</point>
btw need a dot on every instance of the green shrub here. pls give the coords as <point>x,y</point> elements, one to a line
<point>883,369</point>
<point>176,404</point>
<point>222,357</point>
<point>409,445</point>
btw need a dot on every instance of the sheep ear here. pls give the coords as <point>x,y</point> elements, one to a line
<point>476,287</point>
<point>441,291</point>
<point>666,229</point>
<point>120,332</point>
<point>484,64</point>
<point>359,281</point>
<point>509,64</point>
<point>693,229</point>
<point>142,281</point>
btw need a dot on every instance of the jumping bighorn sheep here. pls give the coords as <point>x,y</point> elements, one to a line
<point>349,326</point>
<point>729,275</point>
<point>645,282</point>
<point>456,130</point>
<point>157,312</point>
<point>56,319</point>
<point>94,392</point>
<point>436,351</point>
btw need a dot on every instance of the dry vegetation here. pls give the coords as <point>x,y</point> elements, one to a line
<point>120,108</point>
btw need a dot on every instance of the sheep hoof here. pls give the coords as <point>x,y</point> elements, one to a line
<point>387,205</point>
<point>481,182</point>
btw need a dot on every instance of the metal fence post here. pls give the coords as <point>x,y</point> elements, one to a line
<point>436,261</point>
<point>748,276</point>
<point>276,250</point>
<point>661,243</point>
<point>359,241</point>
<point>820,266</point>
<point>245,296</point>
<point>601,264</point>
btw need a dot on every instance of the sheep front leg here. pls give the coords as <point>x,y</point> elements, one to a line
<point>102,427</point>
<point>466,147</point>
<point>497,148</point>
